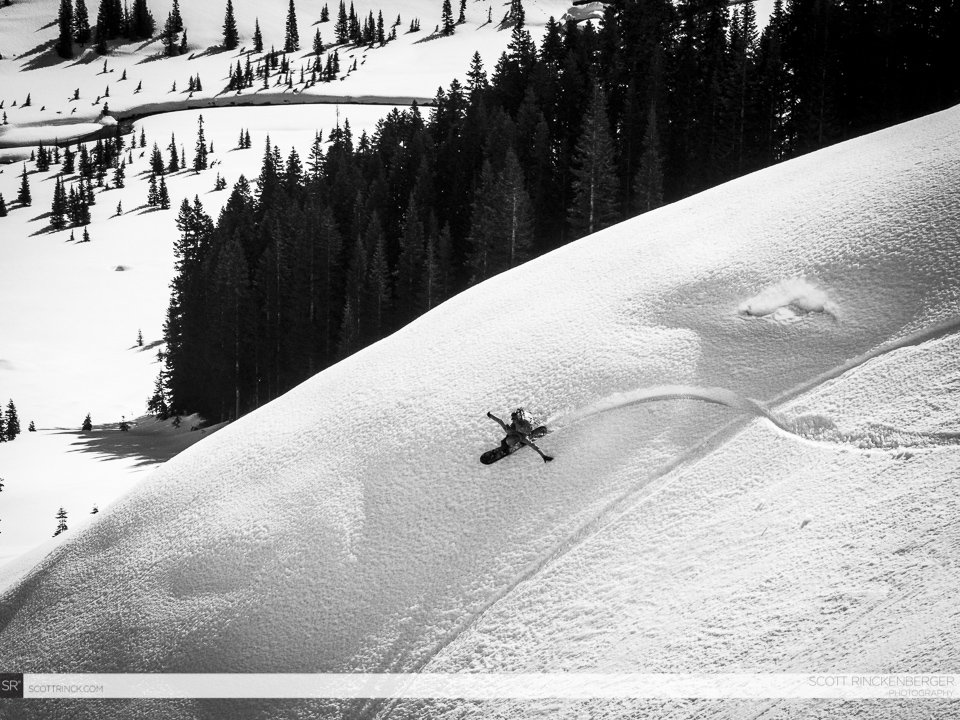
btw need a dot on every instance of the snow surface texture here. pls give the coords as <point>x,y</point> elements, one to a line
<point>349,525</point>
<point>413,66</point>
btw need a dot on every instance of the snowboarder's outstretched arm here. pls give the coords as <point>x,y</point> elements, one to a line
<point>506,428</point>
<point>530,443</point>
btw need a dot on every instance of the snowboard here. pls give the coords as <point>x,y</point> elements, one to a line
<point>500,452</point>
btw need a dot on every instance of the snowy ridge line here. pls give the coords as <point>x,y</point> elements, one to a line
<point>623,503</point>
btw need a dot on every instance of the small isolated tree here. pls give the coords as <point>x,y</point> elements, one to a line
<point>317,43</point>
<point>200,155</point>
<point>156,161</point>
<point>87,424</point>
<point>325,13</point>
<point>11,422</point>
<point>95,510</point>
<point>139,338</point>
<point>31,427</point>
<point>3,206</point>
<point>61,522</point>
<point>231,38</point>
<point>257,37</point>
<point>23,197</point>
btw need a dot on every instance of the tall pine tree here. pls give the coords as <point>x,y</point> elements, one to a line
<point>81,23</point>
<point>231,39</point>
<point>65,20</point>
<point>291,42</point>
<point>595,184</point>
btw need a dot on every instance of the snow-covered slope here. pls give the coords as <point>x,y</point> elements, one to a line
<point>68,345</point>
<point>348,525</point>
<point>407,68</point>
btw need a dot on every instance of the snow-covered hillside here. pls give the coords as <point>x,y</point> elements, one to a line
<point>349,525</point>
<point>69,345</point>
<point>407,68</point>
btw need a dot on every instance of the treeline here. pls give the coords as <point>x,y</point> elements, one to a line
<point>308,264</point>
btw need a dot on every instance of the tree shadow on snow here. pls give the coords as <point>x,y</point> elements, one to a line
<point>148,441</point>
<point>43,56</point>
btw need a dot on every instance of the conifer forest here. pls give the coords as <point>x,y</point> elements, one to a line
<point>323,255</point>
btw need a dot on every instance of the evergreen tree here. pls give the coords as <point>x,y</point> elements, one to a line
<point>410,264</point>
<point>172,29</point>
<point>200,155</point>
<point>257,37</point>
<point>291,41</point>
<point>101,39</point>
<point>32,427</point>
<point>65,20</point>
<point>174,164</point>
<point>163,197</point>
<point>157,403</point>
<point>86,235</point>
<point>648,185</point>
<point>43,158</point>
<point>153,196</point>
<point>156,161</point>
<point>377,292</point>
<point>341,29</point>
<point>142,24</point>
<point>120,174</point>
<point>231,39</point>
<point>3,206</point>
<point>23,197</point>
<point>81,23</point>
<point>87,424</point>
<point>317,43</point>
<point>447,26</point>
<point>595,183</point>
<point>11,422</point>
<point>325,13</point>
<point>61,522</point>
<point>58,210</point>
<point>463,12</point>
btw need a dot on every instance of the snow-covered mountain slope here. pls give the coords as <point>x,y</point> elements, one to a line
<point>407,68</point>
<point>68,345</point>
<point>349,526</point>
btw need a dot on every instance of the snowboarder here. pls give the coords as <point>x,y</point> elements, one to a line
<point>519,432</point>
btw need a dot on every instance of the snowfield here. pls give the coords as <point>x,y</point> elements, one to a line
<point>348,526</point>
<point>411,67</point>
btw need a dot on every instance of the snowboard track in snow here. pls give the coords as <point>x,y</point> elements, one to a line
<point>812,427</point>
